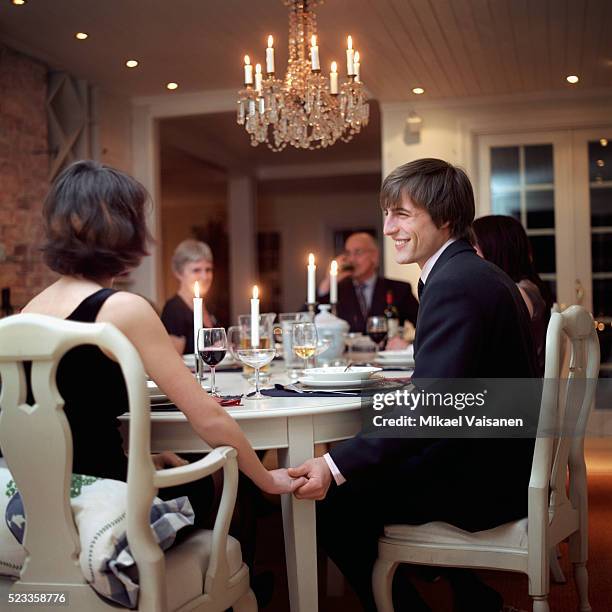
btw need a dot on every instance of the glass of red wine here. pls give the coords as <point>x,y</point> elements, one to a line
<point>212,346</point>
<point>377,328</point>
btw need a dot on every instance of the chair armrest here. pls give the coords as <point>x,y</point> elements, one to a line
<point>216,459</point>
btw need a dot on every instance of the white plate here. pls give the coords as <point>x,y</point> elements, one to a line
<point>340,384</point>
<point>407,360</point>
<point>338,374</point>
<point>409,352</point>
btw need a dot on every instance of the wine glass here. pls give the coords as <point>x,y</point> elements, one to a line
<point>305,341</point>
<point>212,346</point>
<point>256,352</point>
<point>377,328</point>
<point>234,335</point>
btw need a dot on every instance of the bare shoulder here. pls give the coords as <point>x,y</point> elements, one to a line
<point>125,307</point>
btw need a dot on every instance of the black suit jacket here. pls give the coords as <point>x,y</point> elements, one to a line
<point>472,323</point>
<point>348,305</point>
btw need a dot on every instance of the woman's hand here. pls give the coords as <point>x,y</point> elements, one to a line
<point>167,459</point>
<point>280,482</point>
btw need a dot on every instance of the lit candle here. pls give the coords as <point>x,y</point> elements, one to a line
<point>197,316</point>
<point>350,54</point>
<point>258,77</point>
<point>333,78</point>
<point>248,71</point>
<point>270,56</point>
<point>333,282</point>
<point>356,66</point>
<point>312,270</point>
<point>255,318</point>
<point>314,53</point>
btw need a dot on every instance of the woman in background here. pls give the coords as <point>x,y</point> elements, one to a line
<point>503,241</point>
<point>192,263</point>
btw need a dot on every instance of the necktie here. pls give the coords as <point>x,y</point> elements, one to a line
<point>361,298</point>
<point>421,286</point>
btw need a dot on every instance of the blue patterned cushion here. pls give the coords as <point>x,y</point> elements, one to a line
<point>99,510</point>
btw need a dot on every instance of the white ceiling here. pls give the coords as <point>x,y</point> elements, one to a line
<point>452,48</point>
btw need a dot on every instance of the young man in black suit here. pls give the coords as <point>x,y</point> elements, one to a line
<point>362,292</point>
<point>472,323</point>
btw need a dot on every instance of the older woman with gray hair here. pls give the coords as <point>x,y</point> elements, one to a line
<point>192,263</point>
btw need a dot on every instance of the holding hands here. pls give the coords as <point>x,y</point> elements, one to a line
<point>316,477</point>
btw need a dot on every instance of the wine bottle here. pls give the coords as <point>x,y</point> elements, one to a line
<point>392,316</point>
<point>6,310</point>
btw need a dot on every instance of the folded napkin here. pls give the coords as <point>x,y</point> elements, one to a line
<point>228,400</point>
<point>282,391</point>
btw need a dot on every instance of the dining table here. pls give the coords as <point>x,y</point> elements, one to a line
<point>292,425</point>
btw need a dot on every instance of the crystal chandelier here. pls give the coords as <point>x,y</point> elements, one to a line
<point>307,109</point>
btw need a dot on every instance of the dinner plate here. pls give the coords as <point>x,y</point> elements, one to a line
<point>404,361</point>
<point>346,385</point>
<point>340,373</point>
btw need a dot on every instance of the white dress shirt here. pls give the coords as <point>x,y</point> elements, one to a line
<point>427,268</point>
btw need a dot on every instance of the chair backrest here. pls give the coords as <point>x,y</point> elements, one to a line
<point>564,414</point>
<point>37,444</point>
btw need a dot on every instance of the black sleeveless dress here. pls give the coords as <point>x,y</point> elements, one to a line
<point>94,393</point>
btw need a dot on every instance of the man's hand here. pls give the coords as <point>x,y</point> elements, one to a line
<point>167,459</point>
<point>397,344</point>
<point>319,478</point>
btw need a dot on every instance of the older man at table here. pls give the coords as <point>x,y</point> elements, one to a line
<point>362,291</point>
<point>472,323</point>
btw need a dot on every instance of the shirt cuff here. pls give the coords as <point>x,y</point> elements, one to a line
<point>333,468</point>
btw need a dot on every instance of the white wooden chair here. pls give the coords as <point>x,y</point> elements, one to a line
<point>203,572</point>
<point>524,545</point>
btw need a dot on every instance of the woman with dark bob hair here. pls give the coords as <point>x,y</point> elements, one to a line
<point>94,218</point>
<point>503,241</point>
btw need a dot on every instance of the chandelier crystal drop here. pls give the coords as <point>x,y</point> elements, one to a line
<point>306,109</point>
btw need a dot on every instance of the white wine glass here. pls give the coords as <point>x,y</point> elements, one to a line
<point>256,352</point>
<point>305,340</point>
<point>212,346</point>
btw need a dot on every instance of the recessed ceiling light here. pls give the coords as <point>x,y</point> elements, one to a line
<point>572,78</point>
<point>81,35</point>
<point>600,163</point>
<point>418,91</point>
<point>131,63</point>
<point>603,142</point>
<point>19,2</point>
<point>172,85</point>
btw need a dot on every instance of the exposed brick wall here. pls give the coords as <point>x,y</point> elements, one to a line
<point>24,166</point>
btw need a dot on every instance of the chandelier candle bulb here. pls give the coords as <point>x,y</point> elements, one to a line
<point>312,271</point>
<point>314,54</point>
<point>270,56</point>
<point>356,66</point>
<point>258,77</point>
<point>255,318</point>
<point>248,71</point>
<point>333,79</point>
<point>350,56</point>
<point>197,319</point>
<point>333,282</point>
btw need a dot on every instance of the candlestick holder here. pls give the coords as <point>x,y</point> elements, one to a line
<point>312,308</point>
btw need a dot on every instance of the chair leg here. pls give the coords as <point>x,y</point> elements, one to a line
<point>247,603</point>
<point>555,566</point>
<point>382,583</point>
<point>581,577</point>
<point>540,603</point>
